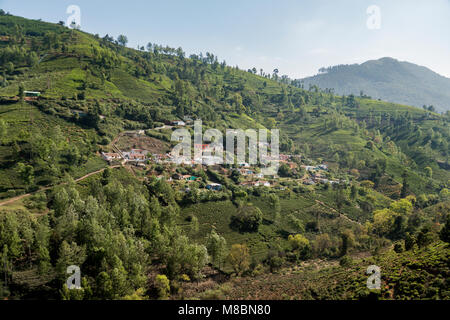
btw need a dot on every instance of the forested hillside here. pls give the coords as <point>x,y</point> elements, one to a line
<point>364,177</point>
<point>387,79</point>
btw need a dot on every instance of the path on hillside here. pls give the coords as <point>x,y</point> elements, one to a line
<point>340,214</point>
<point>12,200</point>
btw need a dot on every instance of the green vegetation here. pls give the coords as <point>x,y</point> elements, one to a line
<point>389,80</point>
<point>138,236</point>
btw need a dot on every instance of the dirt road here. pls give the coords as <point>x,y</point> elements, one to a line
<point>12,200</point>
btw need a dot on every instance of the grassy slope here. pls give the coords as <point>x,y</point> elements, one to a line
<point>418,274</point>
<point>59,76</point>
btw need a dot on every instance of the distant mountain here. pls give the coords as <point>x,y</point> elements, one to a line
<point>387,79</point>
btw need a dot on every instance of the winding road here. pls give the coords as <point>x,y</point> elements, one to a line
<point>12,200</point>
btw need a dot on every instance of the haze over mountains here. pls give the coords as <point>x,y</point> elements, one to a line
<point>387,79</point>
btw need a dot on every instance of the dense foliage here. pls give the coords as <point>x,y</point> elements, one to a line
<point>135,236</point>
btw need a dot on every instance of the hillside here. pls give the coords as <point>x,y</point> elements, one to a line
<point>412,275</point>
<point>359,175</point>
<point>387,79</point>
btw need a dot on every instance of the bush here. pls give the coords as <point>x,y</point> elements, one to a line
<point>239,258</point>
<point>298,241</point>
<point>275,263</point>
<point>248,218</point>
<point>425,237</point>
<point>301,247</point>
<point>345,261</point>
<point>398,247</point>
<point>409,242</point>
<point>162,284</point>
<point>105,141</point>
<point>445,232</point>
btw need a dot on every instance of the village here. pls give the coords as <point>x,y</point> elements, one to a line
<point>164,165</point>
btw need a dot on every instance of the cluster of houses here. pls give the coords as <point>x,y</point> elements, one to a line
<point>255,183</point>
<point>181,123</point>
<point>316,174</point>
<point>179,177</point>
<point>138,156</point>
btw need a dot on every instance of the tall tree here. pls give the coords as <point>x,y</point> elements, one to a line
<point>122,40</point>
<point>239,258</point>
<point>217,248</point>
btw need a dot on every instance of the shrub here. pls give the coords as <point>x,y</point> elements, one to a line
<point>398,247</point>
<point>275,263</point>
<point>298,241</point>
<point>162,284</point>
<point>248,218</point>
<point>409,242</point>
<point>425,237</point>
<point>445,232</point>
<point>345,261</point>
<point>239,258</point>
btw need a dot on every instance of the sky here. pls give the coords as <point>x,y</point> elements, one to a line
<point>295,36</point>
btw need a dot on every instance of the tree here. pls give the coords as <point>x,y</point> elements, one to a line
<point>428,172</point>
<point>353,192</point>
<point>444,194</point>
<point>445,232</point>
<point>138,295</point>
<point>182,256</point>
<point>21,92</point>
<point>5,264</point>
<point>70,294</point>
<point>238,105</point>
<point>298,242</point>
<point>3,130</point>
<point>9,234</point>
<point>26,172</point>
<point>106,175</point>
<point>162,284</point>
<point>119,279</point>
<point>348,240</point>
<point>405,186</point>
<point>284,170</point>
<point>275,262</point>
<point>217,248</point>
<point>409,241</point>
<point>300,246</point>
<point>196,259</point>
<point>367,184</point>
<point>248,218</point>
<point>69,254</point>
<point>322,243</point>
<point>42,240</point>
<point>425,237</point>
<point>383,220</point>
<point>275,74</point>
<point>9,67</point>
<point>274,202</point>
<point>123,40</point>
<point>271,123</point>
<point>104,286</point>
<point>239,258</point>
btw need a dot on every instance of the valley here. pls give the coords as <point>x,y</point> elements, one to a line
<point>88,178</point>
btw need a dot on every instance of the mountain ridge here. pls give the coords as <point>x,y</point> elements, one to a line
<point>387,79</point>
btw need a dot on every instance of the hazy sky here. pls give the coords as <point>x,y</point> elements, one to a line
<point>297,37</point>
